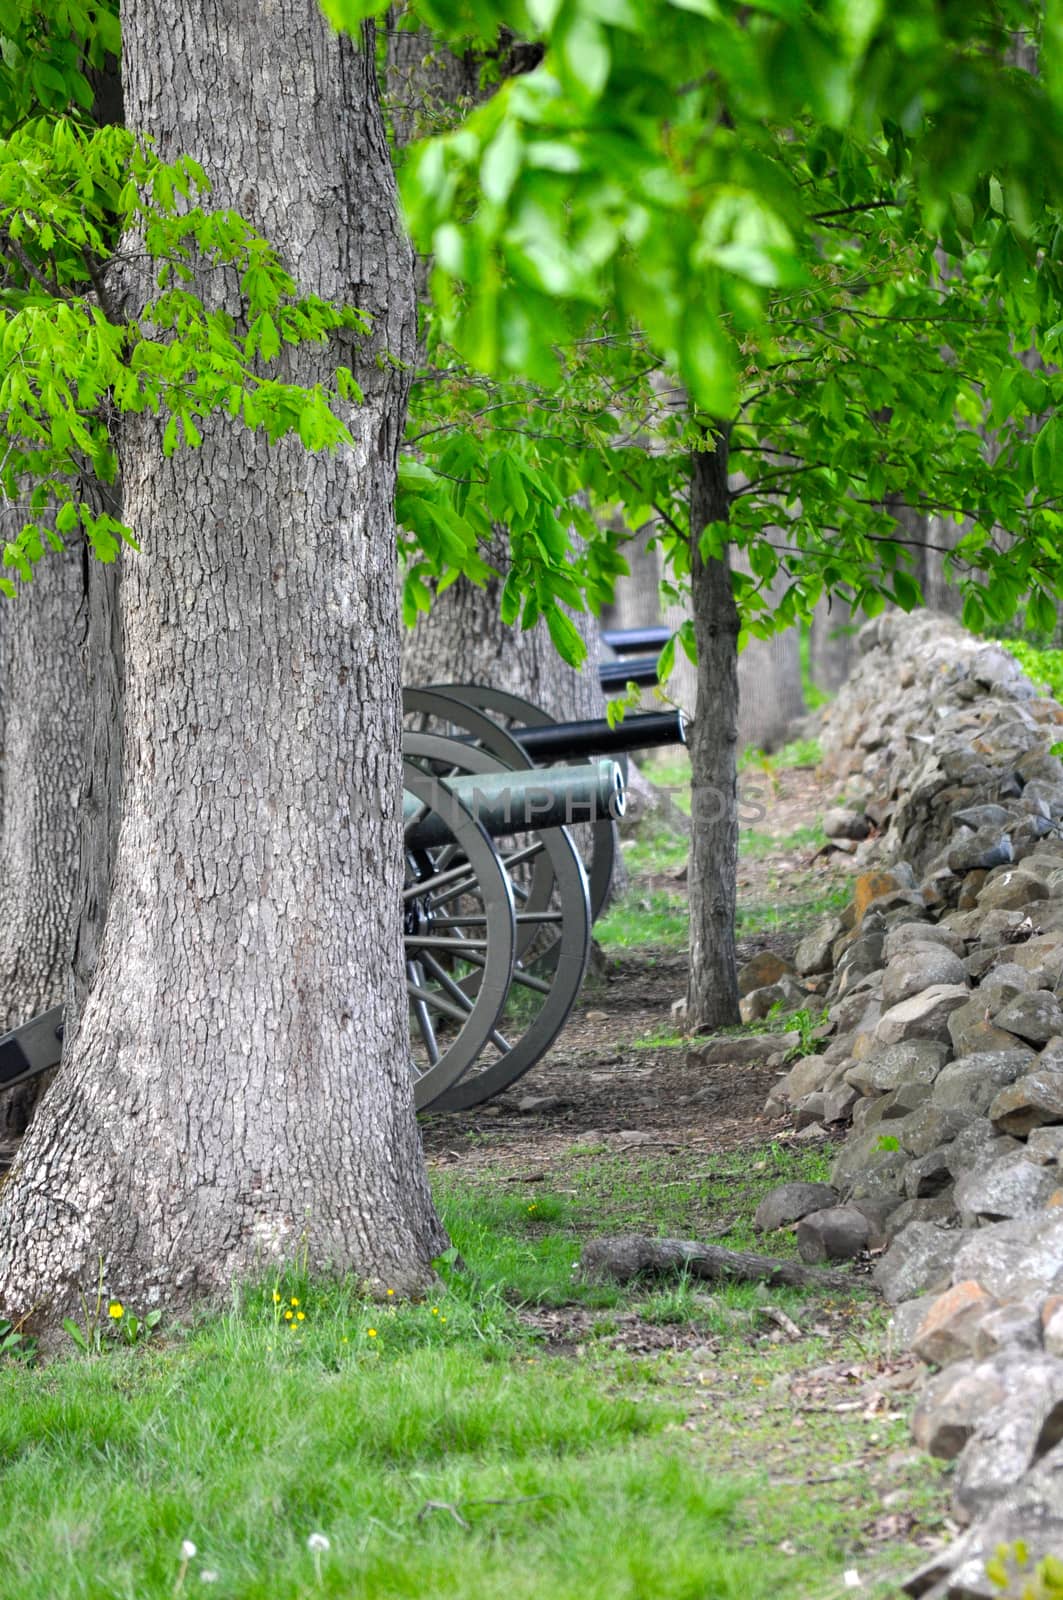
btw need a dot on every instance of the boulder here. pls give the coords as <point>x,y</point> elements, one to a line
<point>923,1016</point>
<point>971,1031</point>
<point>928,1175</point>
<point>1035,1017</point>
<point>741,1049</point>
<point>919,1260</point>
<point>950,1405</point>
<point>1013,1435</point>
<point>904,936</point>
<point>988,847</point>
<point>1014,1326</point>
<point>971,1083</point>
<point>1014,1260</point>
<point>813,954</point>
<point>788,1203</point>
<point>919,969</point>
<point>840,823</point>
<point>765,968</point>
<point>1010,1186</point>
<point>949,1325</point>
<point>890,1066</point>
<point>1045,1145</point>
<point>836,1234</point>
<point>1029,1102</point>
<point>1011,891</point>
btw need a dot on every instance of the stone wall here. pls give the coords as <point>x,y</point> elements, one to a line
<point>941,1064</point>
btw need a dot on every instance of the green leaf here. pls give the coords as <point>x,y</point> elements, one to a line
<point>566,638</point>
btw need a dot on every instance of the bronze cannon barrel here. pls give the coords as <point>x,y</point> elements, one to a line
<point>518,802</point>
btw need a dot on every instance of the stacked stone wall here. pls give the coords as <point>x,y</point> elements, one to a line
<point>941,1063</point>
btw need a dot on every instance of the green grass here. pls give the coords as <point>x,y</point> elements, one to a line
<point>645,917</point>
<point>795,913</point>
<point>798,753</point>
<point>440,1448</point>
<point>756,846</point>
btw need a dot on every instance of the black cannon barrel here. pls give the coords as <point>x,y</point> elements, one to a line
<point>508,802</point>
<point>618,674</point>
<point>575,740</point>
<point>629,641</point>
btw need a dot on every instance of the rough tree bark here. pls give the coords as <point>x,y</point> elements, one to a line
<point>42,705</point>
<point>770,696</point>
<point>237,1092</point>
<point>712,997</point>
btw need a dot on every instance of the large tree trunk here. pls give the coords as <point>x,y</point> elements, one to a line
<point>42,699</point>
<point>712,998</point>
<point>237,1094</point>
<point>464,640</point>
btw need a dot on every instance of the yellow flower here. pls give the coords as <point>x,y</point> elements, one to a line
<point>435,1311</point>
<point>442,1319</point>
<point>300,1316</point>
<point>116,1310</point>
<point>391,1291</point>
<point>276,1297</point>
<point>294,1301</point>
<point>371,1332</point>
<point>345,1340</point>
<point>287,1316</point>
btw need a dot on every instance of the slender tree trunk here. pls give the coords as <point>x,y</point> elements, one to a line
<point>237,1094</point>
<point>712,999</point>
<point>831,646</point>
<point>42,699</point>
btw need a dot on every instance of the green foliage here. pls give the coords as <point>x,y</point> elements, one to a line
<point>1010,1570</point>
<point>1044,668</point>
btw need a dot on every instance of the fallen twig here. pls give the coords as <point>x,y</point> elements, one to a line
<point>627,1256</point>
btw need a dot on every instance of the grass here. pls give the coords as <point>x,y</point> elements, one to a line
<point>645,917</point>
<point>756,846</point>
<point>439,1448</point>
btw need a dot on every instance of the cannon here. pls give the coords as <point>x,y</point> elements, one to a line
<point>497,903</point>
<point>629,641</point>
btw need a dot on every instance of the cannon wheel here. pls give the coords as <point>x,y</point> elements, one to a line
<point>443,714</point>
<point>513,1048</point>
<point>458,919</point>
<point>521,713</point>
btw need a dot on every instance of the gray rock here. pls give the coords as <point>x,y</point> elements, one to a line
<point>838,1103</point>
<point>1013,1435</point>
<point>808,1076</point>
<point>1042,957</point>
<point>877,1214</point>
<point>741,1050</point>
<point>1045,1145</point>
<point>972,1083</point>
<point>890,1066</point>
<point>1015,1260</point>
<point>950,1405</point>
<point>1010,1186</point>
<point>1004,981</point>
<point>881,1180</point>
<point>1015,1326</point>
<point>1052,1329</point>
<point>906,1321</point>
<point>920,969</point>
<point>860,959</point>
<point>988,847</point>
<point>1030,1102</point>
<point>972,1032</point>
<point>1031,1513</point>
<point>790,1202</point>
<point>836,1234</point>
<point>813,954</point>
<point>839,823</point>
<point>905,936</point>
<point>987,816</point>
<point>977,1145</point>
<point>929,1126</point>
<point>927,1176</point>
<point>1012,890</point>
<point>1035,1017</point>
<point>924,1016</point>
<point>919,1260</point>
<point>938,1208</point>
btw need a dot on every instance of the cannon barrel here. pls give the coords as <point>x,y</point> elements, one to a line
<point>518,802</point>
<point>618,674</point>
<point>576,741</point>
<point>629,641</point>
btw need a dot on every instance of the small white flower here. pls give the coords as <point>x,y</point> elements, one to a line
<point>851,1579</point>
<point>208,1576</point>
<point>188,1550</point>
<point>318,1542</point>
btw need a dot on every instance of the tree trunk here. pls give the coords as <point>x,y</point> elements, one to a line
<point>712,998</point>
<point>42,698</point>
<point>464,640</point>
<point>237,1094</point>
<point>831,646</point>
<point>770,696</point>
